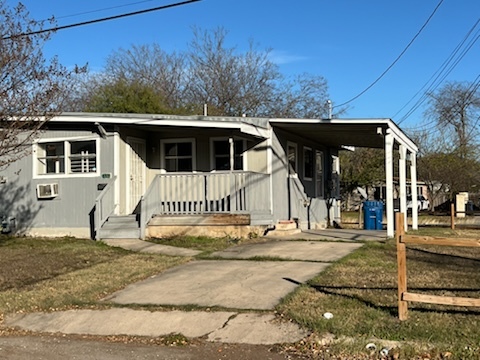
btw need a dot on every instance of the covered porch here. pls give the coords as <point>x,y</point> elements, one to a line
<point>370,133</point>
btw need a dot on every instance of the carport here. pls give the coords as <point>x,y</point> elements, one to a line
<point>369,133</point>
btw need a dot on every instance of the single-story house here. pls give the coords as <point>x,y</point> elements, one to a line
<point>130,175</point>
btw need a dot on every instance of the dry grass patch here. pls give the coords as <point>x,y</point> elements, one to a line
<point>61,274</point>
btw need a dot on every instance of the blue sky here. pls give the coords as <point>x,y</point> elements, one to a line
<point>349,42</point>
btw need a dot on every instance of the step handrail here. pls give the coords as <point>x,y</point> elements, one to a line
<point>104,206</point>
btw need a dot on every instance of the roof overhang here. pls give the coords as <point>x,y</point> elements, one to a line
<point>252,126</point>
<point>346,132</point>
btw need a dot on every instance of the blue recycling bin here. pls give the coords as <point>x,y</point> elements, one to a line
<point>372,215</point>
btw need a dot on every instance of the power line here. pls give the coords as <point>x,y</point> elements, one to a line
<point>440,69</point>
<point>57,28</point>
<point>443,71</point>
<point>103,9</point>
<point>396,60</point>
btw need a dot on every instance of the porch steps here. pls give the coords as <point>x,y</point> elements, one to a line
<point>285,228</point>
<point>120,227</point>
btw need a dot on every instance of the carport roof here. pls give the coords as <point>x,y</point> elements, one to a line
<point>346,132</point>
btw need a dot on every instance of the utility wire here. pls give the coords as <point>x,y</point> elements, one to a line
<point>445,69</point>
<point>437,73</point>
<point>396,60</point>
<point>99,10</point>
<point>100,20</point>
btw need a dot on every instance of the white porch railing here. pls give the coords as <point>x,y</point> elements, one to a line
<point>203,193</point>
<point>104,205</point>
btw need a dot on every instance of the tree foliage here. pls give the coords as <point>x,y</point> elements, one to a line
<point>230,82</point>
<point>124,97</point>
<point>32,90</point>
<point>363,167</point>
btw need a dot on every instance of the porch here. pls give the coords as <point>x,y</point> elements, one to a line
<point>179,200</point>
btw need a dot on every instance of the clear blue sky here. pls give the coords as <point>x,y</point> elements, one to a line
<point>349,42</point>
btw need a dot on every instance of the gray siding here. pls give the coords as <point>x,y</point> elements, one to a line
<point>76,199</point>
<point>295,197</point>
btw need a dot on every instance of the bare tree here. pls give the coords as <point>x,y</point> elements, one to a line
<point>153,67</point>
<point>229,81</point>
<point>455,108</point>
<point>32,90</point>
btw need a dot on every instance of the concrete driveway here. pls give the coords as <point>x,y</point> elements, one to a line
<point>238,284</point>
<point>235,283</point>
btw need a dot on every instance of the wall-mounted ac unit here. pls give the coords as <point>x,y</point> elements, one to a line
<point>47,191</point>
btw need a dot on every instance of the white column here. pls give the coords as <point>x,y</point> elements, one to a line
<point>232,153</point>
<point>389,183</point>
<point>402,169</point>
<point>413,182</point>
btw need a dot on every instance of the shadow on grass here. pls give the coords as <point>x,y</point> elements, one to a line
<point>392,310</point>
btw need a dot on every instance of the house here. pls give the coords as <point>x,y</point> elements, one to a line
<point>129,175</point>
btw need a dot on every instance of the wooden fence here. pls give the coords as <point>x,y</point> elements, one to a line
<point>403,295</point>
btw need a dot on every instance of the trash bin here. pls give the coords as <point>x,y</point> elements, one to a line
<point>372,215</point>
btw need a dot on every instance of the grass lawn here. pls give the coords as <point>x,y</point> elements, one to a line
<point>359,290</point>
<point>47,275</point>
<point>361,293</point>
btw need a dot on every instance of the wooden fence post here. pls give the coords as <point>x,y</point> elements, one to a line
<point>402,266</point>
<point>452,215</point>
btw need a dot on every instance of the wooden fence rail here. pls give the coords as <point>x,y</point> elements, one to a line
<point>403,295</point>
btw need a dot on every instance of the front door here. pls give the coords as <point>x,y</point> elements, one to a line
<point>136,172</point>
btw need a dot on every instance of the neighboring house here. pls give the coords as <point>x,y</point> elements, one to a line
<point>129,175</point>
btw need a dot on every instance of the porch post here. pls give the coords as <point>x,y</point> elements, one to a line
<point>402,168</point>
<point>413,181</point>
<point>389,183</point>
<point>233,187</point>
<point>232,154</point>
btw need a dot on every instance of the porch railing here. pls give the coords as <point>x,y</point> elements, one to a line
<point>104,205</point>
<point>204,193</point>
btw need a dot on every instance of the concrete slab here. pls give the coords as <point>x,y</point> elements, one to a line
<point>227,327</point>
<point>151,248</point>
<point>335,235</point>
<point>122,322</point>
<point>251,328</point>
<point>291,250</point>
<point>236,284</point>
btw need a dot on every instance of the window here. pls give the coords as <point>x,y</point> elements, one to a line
<point>319,173</point>
<point>178,155</point>
<point>66,157</point>
<point>292,158</point>
<point>221,154</point>
<point>308,163</point>
<point>83,158</point>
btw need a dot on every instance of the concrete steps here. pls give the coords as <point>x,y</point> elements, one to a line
<point>285,228</point>
<point>120,227</point>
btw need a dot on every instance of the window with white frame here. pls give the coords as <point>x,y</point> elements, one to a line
<point>221,154</point>
<point>292,158</point>
<point>308,164</point>
<point>178,155</point>
<point>67,157</point>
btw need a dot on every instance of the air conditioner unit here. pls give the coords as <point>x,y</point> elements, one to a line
<point>47,191</point>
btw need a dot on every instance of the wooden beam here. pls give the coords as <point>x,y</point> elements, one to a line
<point>441,300</point>
<point>428,240</point>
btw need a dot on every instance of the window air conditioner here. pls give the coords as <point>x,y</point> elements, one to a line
<point>47,191</point>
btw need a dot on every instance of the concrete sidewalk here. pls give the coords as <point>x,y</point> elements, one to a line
<point>230,284</point>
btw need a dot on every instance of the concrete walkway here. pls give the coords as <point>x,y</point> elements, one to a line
<point>234,283</point>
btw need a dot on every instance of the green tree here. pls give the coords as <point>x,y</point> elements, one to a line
<point>363,167</point>
<point>123,97</point>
